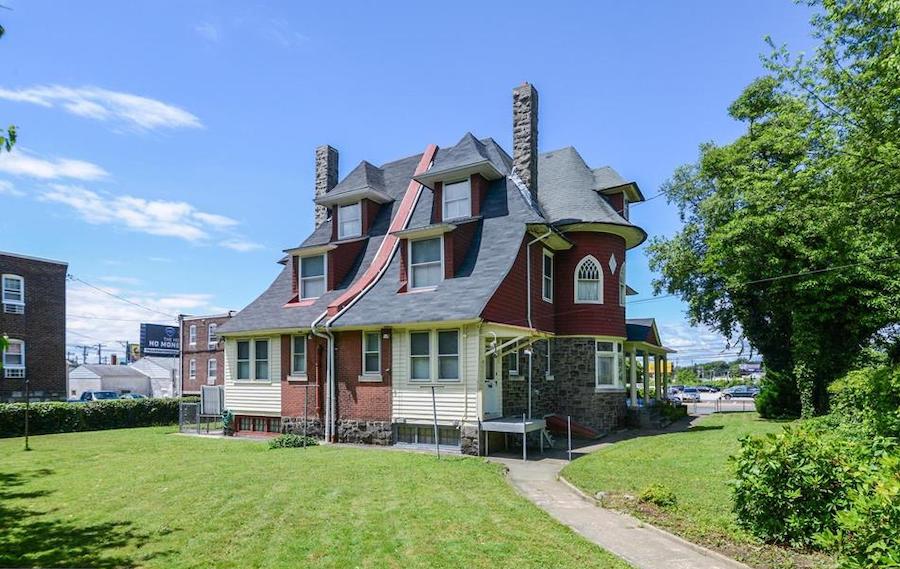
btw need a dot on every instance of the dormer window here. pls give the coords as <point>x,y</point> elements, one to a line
<point>13,289</point>
<point>312,276</point>
<point>625,203</point>
<point>457,200</point>
<point>426,263</point>
<point>349,221</point>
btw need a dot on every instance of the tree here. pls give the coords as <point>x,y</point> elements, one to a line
<point>686,376</point>
<point>791,236</point>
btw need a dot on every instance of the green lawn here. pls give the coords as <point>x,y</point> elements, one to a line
<point>151,498</point>
<point>694,464</point>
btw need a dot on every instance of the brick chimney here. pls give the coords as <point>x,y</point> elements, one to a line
<point>326,177</point>
<point>525,136</point>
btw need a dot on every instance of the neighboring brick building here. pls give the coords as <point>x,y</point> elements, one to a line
<point>33,316</point>
<point>202,355</point>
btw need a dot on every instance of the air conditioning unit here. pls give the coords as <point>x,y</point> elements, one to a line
<point>10,308</point>
<point>14,372</point>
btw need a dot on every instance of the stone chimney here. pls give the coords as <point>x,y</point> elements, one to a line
<point>326,177</point>
<point>525,136</point>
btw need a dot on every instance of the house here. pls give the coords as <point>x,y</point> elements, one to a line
<point>106,377</point>
<point>202,352</point>
<point>164,374</point>
<point>461,286</point>
<point>33,316</point>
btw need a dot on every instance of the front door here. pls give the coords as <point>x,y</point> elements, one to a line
<point>493,390</point>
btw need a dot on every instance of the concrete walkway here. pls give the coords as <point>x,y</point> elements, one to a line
<point>642,545</point>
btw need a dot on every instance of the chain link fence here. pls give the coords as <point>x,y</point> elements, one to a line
<point>203,417</point>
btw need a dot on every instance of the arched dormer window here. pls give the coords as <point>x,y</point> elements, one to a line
<point>588,282</point>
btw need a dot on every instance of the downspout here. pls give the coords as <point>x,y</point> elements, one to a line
<point>329,373</point>
<point>528,270</point>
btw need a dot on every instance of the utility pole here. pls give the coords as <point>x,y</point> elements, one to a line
<point>84,350</point>
<point>99,353</point>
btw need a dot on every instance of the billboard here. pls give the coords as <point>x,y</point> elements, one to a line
<point>159,340</point>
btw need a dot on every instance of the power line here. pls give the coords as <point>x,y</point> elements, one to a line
<point>122,298</point>
<point>91,317</point>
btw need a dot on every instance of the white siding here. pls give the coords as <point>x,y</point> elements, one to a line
<point>457,401</point>
<point>253,397</point>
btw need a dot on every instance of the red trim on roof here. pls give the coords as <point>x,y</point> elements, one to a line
<point>389,244</point>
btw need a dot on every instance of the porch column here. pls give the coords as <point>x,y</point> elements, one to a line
<point>633,378</point>
<point>646,378</point>
<point>657,376</point>
<point>665,378</point>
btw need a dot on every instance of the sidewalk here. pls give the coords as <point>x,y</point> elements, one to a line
<point>644,546</point>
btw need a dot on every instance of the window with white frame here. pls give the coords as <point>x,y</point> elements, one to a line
<point>192,335</point>
<point>547,282</point>
<point>212,371</point>
<point>371,353</point>
<point>192,369</point>
<point>610,366</point>
<point>426,265</point>
<point>312,276</point>
<point>588,281</point>
<point>211,338</point>
<point>349,221</point>
<point>434,354</point>
<point>512,363</point>
<point>13,294</point>
<point>14,360</point>
<point>623,288</point>
<point>457,200</point>
<point>261,360</point>
<point>243,359</point>
<point>298,355</point>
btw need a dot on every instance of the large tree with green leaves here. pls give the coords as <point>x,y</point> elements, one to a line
<point>791,236</point>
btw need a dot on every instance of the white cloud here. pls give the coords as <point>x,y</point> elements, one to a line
<point>241,245</point>
<point>8,189</point>
<point>697,343</point>
<point>132,111</point>
<point>23,163</point>
<point>155,217</point>
<point>209,31</point>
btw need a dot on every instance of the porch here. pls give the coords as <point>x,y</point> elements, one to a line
<point>514,425</point>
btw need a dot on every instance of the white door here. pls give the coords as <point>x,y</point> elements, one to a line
<point>493,389</point>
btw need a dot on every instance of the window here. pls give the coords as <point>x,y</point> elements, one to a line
<point>13,294</point>
<point>512,363</point>
<point>211,339</point>
<point>371,353</point>
<point>212,371</point>
<point>349,221</point>
<point>426,266</point>
<point>192,335</point>
<point>625,208</point>
<point>312,276</point>
<point>420,356</point>
<point>457,200</point>
<point>192,369</point>
<point>588,282</point>
<point>623,288</point>
<point>261,357</point>
<point>448,355</point>
<point>243,359</point>
<point>298,356</point>
<point>14,360</point>
<point>547,290</point>
<point>610,368</point>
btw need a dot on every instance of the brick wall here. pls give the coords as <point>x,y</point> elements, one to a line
<point>42,327</point>
<point>360,400</point>
<point>201,352</point>
<point>294,392</point>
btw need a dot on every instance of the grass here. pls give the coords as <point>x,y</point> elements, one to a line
<point>151,498</point>
<point>694,465</point>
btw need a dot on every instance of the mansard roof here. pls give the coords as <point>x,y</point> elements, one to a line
<point>466,157</point>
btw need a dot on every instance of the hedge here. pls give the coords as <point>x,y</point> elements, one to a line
<point>60,417</point>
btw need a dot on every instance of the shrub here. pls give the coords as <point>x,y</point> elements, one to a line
<point>673,412</point>
<point>868,531</point>
<point>658,494</point>
<point>870,398</point>
<point>60,417</point>
<point>292,441</point>
<point>779,397</point>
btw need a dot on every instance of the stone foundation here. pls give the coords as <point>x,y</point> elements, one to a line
<point>294,425</point>
<point>470,440</point>
<point>365,432</point>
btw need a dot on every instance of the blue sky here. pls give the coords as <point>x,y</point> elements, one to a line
<point>166,148</point>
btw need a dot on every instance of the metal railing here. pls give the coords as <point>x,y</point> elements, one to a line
<point>721,405</point>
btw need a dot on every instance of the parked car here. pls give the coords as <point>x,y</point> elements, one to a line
<point>740,391</point>
<point>707,389</point>
<point>132,396</point>
<point>97,396</point>
<point>688,395</point>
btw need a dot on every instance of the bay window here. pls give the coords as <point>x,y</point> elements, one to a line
<point>426,266</point>
<point>349,221</point>
<point>371,353</point>
<point>434,354</point>
<point>312,276</point>
<point>457,200</point>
